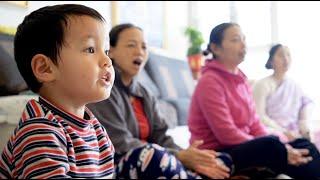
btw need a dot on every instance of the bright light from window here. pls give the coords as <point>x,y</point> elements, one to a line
<point>299,30</point>
<point>210,14</point>
<point>255,22</point>
<point>254,19</point>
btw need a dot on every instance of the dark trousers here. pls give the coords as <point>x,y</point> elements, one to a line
<point>271,153</point>
<point>310,170</point>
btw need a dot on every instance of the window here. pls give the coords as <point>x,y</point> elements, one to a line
<point>147,15</point>
<point>210,14</point>
<point>254,19</point>
<point>298,29</point>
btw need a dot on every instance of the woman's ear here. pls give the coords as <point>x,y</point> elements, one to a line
<point>43,68</point>
<point>214,48</point>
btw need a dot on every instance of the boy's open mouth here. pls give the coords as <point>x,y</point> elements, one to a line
<point>107,77</point>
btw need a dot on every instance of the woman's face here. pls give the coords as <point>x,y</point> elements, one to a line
<point>233,46</point>
<point>130,53</point>
<point>281,60</point>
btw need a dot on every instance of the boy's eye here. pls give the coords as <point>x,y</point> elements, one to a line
<point>107,52</point>
<point>90,50</point>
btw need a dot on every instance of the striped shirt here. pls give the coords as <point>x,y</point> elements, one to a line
<point>51,143</point>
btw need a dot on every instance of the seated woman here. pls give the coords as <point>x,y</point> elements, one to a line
<point>281,103</point>
<point>222,113</point>
<point>135,126</point>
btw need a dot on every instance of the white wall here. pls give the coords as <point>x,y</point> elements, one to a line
<point>176,22</point>
<point>103,7</point>
<point>12,15</point>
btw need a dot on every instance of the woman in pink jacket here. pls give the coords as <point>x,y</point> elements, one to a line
<point>222,114</point>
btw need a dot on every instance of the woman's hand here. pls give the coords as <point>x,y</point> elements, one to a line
<point>291,136</point>
<point>297,157</point>
<point>203,161</point>
<point>306,134</point>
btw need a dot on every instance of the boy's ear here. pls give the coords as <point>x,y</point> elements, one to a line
<point>43,68</point>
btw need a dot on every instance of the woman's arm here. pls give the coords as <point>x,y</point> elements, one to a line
<point>260,93</point>
<point>203,161</point>
<point>305,115</point>
<point>212,100</point>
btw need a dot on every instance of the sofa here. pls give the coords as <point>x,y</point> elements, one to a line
<point>11,82</point>
<point>170,80</point>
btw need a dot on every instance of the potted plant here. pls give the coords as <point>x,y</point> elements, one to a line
<point>194,52</point>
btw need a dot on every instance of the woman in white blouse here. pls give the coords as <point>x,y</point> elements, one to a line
<point>280,102</point>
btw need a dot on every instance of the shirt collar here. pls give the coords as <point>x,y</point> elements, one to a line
<point>74,120</point>
<point>132,89</point>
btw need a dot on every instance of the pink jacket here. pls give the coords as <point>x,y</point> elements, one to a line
<point>222,111</point>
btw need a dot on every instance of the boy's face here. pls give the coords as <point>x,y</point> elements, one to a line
<point>84,73</point>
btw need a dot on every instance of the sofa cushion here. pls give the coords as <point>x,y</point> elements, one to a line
<point>182,108</point>
<point>11,107</point>
<point>169,113</point>
<point>6,131</point>
<point>11,81</point>
<point>147,82</point>
<point>172,76</point>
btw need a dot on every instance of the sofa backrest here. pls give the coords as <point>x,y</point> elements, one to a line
<point>167,110</point>
<point>173,80</point>
<point>172,76</point>
<point>11,82</point>
<point>146,81</point>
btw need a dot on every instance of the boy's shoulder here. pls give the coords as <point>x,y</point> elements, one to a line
<point>35,110</point>
<point>36,121</point>
<point>36,114</point>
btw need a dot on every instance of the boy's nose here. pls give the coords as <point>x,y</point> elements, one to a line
<point>107,61</point>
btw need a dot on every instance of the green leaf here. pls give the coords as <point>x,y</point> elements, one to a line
<point>195,40</point>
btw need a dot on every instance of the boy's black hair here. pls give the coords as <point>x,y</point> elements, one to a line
<point>43,32</point>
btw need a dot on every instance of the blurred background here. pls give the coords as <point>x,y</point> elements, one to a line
<point>264,23</point>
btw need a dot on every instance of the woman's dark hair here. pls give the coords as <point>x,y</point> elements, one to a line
<point>272,52</point>
<point>43,32</point>
<point>217,35</point>
<point>116,30</point>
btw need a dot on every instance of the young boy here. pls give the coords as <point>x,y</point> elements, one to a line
<point>61,53</point>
